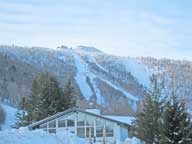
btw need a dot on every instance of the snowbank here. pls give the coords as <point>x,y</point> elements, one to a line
<point>23,136</point>
<point>10,116</point>
<point>133,140</point>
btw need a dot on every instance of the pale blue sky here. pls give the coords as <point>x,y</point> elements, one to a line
<point>158,28</point>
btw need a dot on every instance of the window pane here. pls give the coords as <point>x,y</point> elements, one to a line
<point>81,132</point>
<point>61,123</point>
<point>99,131</point>
<point>89,132</point>
<point>81,123</point>
<point>71,120</point>
<point>80,119</point>
<point>52,124</point>
<point>109,131</point>
<point>100,122</point>
<point>43,126</point>
<point>90,120</point>
<point>70,123</point>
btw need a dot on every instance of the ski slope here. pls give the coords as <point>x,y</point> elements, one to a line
<point>82,76</point>
<point>139,71</point>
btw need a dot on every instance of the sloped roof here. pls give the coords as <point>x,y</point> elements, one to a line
<point>72,110</point>
<point>124,119</point>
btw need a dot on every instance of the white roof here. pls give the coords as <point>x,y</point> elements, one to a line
<point>123,119</point>
<point>94,111</point>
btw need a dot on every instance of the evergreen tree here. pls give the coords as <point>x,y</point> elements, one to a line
<point>176,126</point>
<point>21,114</point>
<point>50,94</point>
<point>68,99</point>
<point>45,95</point>
<point>34,101</point>
<point>147,123</point>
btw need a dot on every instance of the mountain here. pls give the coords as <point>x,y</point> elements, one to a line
<point>114,84</point>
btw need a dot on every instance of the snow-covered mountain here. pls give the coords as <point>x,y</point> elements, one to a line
<point>114,84</point>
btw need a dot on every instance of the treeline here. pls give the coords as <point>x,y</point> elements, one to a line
<point>162,119</point>
<point>47,98</point>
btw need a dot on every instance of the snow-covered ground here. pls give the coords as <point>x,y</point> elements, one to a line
<point>23,136</point>
<point>133,140</point>
<point>10,116</point>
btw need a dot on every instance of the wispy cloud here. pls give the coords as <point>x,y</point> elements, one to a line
<point>123,27</point>
<point>30,2</point>
<point>158,19</point>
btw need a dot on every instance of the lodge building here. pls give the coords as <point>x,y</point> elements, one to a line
<point>87,124</point>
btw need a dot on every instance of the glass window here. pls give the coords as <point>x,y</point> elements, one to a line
<point>100,122</point>
<point>43,126</point>
<point>109,131</point>
<point>71,120</point>
<point>99,131</point>
<point>61,123</point>
<point>70,123</point>
<point>81,132</point>
<point>52,124</point>
<point>89,132</point>
<point>81,119</point>
<point>90,120</point>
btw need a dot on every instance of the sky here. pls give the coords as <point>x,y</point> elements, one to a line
<point>156,28</point>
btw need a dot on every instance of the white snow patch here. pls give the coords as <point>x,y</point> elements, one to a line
<point>92,60</point>
<point>133,140</point>
<point>10,116</point>
<point>87,49</point>
<point>99,98</point>
<point>94,111</point>
<point>139,71</point>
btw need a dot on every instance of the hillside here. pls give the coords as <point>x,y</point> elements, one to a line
<point>114,84</point>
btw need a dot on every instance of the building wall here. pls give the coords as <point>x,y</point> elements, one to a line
<point>123,133</point>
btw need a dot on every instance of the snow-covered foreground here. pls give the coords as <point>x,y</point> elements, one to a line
<point>23,136</point>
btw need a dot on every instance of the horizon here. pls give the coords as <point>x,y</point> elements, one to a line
<point>125,28</point>
<point>76,47</point>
